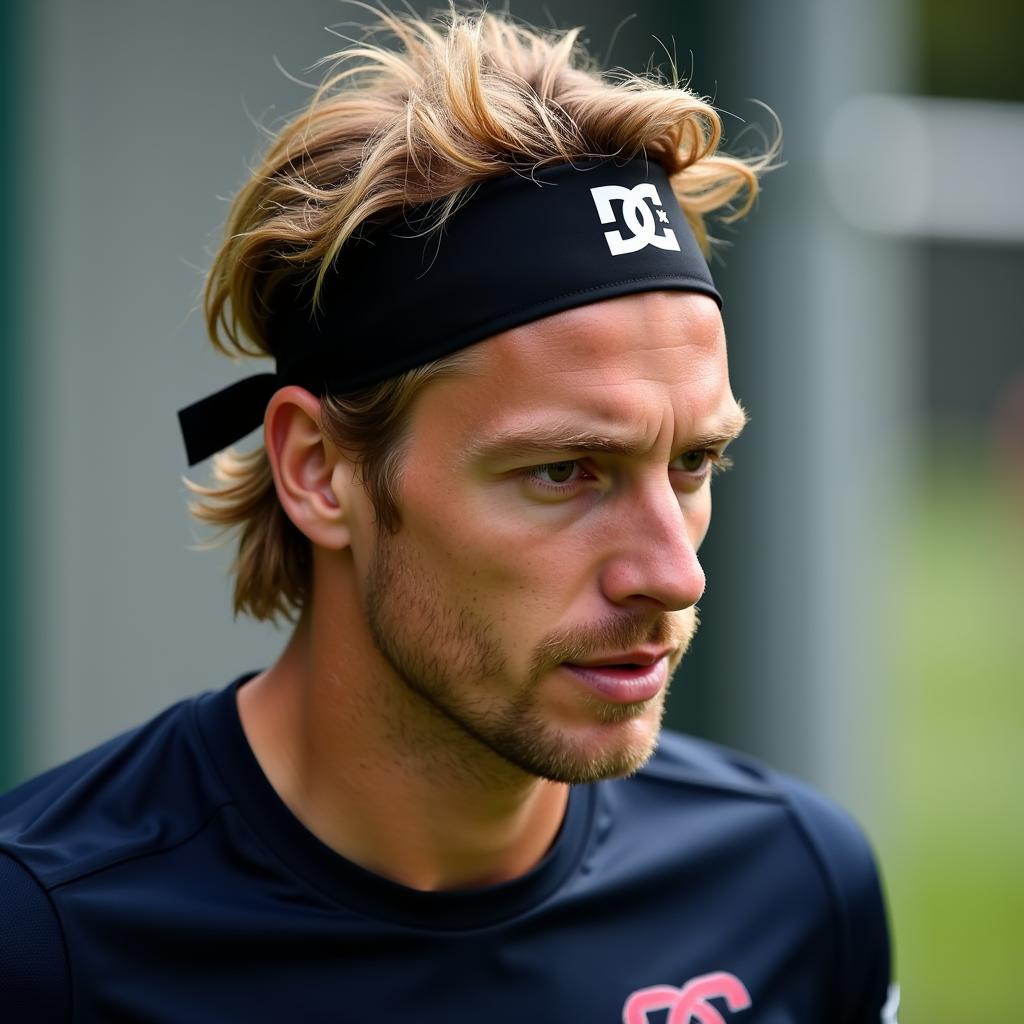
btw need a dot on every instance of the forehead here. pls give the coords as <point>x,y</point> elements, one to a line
<point>627,361</point>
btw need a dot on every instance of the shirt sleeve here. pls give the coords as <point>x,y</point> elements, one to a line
<point>34,980</point>
<point>865,993</point>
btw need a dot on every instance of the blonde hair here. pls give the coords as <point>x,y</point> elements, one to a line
<point>455,101</point>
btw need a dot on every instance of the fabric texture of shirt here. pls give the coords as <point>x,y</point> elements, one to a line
<point>159,878</point>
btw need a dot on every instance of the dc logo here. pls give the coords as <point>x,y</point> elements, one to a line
<point>689,1003</point>
<point>638,216</point>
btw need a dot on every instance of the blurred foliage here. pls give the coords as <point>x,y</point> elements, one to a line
<point>972,50</point>
<point>954,851</point>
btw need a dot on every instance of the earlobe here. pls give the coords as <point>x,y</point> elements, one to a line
<point>308,471</point>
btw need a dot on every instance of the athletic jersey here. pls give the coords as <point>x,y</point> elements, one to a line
<point>159,878</point>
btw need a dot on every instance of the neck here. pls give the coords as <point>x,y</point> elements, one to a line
<point>384,778</point>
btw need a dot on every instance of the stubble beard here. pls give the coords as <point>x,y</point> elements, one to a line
<point>445,656</point>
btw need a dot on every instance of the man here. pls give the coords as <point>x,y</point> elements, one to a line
<point>501,390</point>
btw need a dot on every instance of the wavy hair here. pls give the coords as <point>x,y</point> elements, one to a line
<point>447,104</point>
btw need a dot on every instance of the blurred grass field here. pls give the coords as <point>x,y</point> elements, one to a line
<point>953,847</point>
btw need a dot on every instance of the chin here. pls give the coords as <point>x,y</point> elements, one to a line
<point>579,771</point>
<point>612,750</point>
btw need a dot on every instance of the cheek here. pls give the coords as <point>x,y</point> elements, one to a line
<point>514,572</point>
<point>473,531</point>
<point>491,566</point>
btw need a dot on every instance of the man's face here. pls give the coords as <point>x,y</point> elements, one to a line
<point>543,583</point>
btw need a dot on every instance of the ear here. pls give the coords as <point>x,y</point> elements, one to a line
<point>314,480</point>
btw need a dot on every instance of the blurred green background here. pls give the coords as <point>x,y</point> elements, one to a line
<point>953,831</point>
<point>864,623</point>
<point>953,836</point>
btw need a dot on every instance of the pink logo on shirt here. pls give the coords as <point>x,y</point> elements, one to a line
<point>689,1003</point>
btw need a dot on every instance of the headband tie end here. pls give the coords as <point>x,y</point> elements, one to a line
<point>219,420</point>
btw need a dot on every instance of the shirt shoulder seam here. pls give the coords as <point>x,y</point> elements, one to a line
<point>90,872</point>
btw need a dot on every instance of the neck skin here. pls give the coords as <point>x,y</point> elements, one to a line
<point>376,772</point>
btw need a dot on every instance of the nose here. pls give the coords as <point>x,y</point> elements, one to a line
<point>653,562</point>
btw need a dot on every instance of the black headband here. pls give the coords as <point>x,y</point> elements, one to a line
<point>521,248</point>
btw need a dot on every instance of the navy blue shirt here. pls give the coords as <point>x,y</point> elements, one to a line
<point>160,878</point>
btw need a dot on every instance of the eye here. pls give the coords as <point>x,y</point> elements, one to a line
<point>556,473</point>
<point>695,461</point>
<point>700,462</point>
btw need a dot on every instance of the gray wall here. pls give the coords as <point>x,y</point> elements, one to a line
<point>140,127</point>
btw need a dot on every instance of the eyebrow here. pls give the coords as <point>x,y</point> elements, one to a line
<point>548,439</point>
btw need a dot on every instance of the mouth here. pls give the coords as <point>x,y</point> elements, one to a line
<point>626,679</point>
<point>637,658</point>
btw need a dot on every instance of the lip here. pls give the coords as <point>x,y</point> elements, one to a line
<point>621,685</point>
<point>644,656</point>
